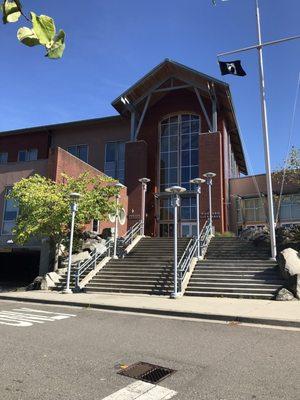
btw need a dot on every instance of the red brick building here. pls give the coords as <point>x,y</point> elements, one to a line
<point>173,125</point>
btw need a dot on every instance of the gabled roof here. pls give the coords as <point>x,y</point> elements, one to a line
<point>167,69</point>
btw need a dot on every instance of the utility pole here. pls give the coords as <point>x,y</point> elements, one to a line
<point>260,47</point>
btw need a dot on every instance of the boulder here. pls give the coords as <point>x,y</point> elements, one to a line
<point>289,264</point>
<point>89,245</point>
<point>36,284</point>
<point>47,283</point>
<point>54,277</point>
<point>89,235</point>
<point>84,255</point>
<point>285,295</point>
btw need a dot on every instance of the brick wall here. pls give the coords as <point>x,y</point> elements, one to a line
<point>135,168</point>
<point>211,160</point>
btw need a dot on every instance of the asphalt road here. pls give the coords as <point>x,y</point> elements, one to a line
<point>67,357</point>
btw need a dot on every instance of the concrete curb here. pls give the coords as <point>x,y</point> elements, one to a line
<point>170,313</point>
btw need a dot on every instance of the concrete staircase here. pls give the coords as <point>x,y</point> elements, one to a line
<point>61,285</point>
<point>147,269</point>
<point>235,268</point>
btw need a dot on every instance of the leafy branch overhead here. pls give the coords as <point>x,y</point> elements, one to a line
<point>41,32</point>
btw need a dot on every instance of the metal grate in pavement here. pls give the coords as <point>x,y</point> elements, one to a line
<point>147,372</point>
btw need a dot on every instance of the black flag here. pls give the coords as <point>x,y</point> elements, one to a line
<point>232,67</point>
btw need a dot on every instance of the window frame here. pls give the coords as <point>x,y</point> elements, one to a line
<point>290,206</point>
<point>98,225</point>
<point>6,190</point>
<point>117,162</point>
<point>255,208</point>
<point>27,152</point>
<point>77,146</point>
<point>179,152</point>
<point>6,160</point>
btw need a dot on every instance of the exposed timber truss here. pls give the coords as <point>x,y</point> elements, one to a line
<point>168,85</point>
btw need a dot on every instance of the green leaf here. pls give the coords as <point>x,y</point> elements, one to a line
<point>44,28</point>
<point>28,37</point>
<point>57,48</point>
<point>11,11</point>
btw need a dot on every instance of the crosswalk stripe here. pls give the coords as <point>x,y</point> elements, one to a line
<point>24,317</point>
<point>43,312</point>
<point>142,391</point>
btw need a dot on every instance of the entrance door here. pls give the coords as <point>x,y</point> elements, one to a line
<point>188,229</point>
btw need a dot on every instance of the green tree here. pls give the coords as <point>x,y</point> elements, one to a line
<point>42,30</point>
<point>44,206</point>
<point>289,173</point>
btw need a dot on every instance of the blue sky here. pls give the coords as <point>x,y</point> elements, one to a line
<point>111,44</point>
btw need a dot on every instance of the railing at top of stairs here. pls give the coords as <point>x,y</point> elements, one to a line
<point>191,251</point>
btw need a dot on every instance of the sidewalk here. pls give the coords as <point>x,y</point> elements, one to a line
<point>266,312</point>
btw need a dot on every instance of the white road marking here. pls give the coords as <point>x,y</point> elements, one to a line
<point>24,317</point>
<point>142,391</point>
<point>43,312</point>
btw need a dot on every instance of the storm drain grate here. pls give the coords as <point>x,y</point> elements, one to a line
<point>146,372</point>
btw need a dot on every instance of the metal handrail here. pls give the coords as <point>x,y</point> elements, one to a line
<point>93,260</point>
<point>204,237</point>
<point>126,240</point>
<point>190,251</point>
<point>132,233</point>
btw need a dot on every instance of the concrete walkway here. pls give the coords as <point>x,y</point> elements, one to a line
<point>266,312</point>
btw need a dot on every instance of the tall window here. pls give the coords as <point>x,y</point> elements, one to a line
<point>28,155</point>
<point>115,160</point>
<point>179,160</point>
<point>80,151</point>
<point>254,210</point>
<point>290,208</point>
<point>3,158</point>
<point>179,154</point>
<point>10,214</point>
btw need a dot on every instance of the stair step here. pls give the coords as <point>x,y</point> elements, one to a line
<point>235,289</point>
<point>234,281</point>
<point>129,291</point>
<point>129,285</point>
<point>244,295</point>
<point>234,285</point>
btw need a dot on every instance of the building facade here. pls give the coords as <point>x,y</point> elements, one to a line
<point>173,125</point>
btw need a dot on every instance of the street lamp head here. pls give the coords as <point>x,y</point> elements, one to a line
<point>209,175</point>
<point>75,196</point>
<point>119,185</point>
<point>175,189</point>
<point>197,181</point>
<point>144,180</point>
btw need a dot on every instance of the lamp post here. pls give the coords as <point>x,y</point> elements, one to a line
<point>175,191</point>
<point>117,197</point>
<point>144,182</point>
<point>74,208</point>
<point>198,182</point>
<point>209,177</point>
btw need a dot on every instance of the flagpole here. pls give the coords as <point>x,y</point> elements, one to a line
<point>266,136</point>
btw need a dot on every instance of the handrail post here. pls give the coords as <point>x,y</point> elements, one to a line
<point>77,277</point>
